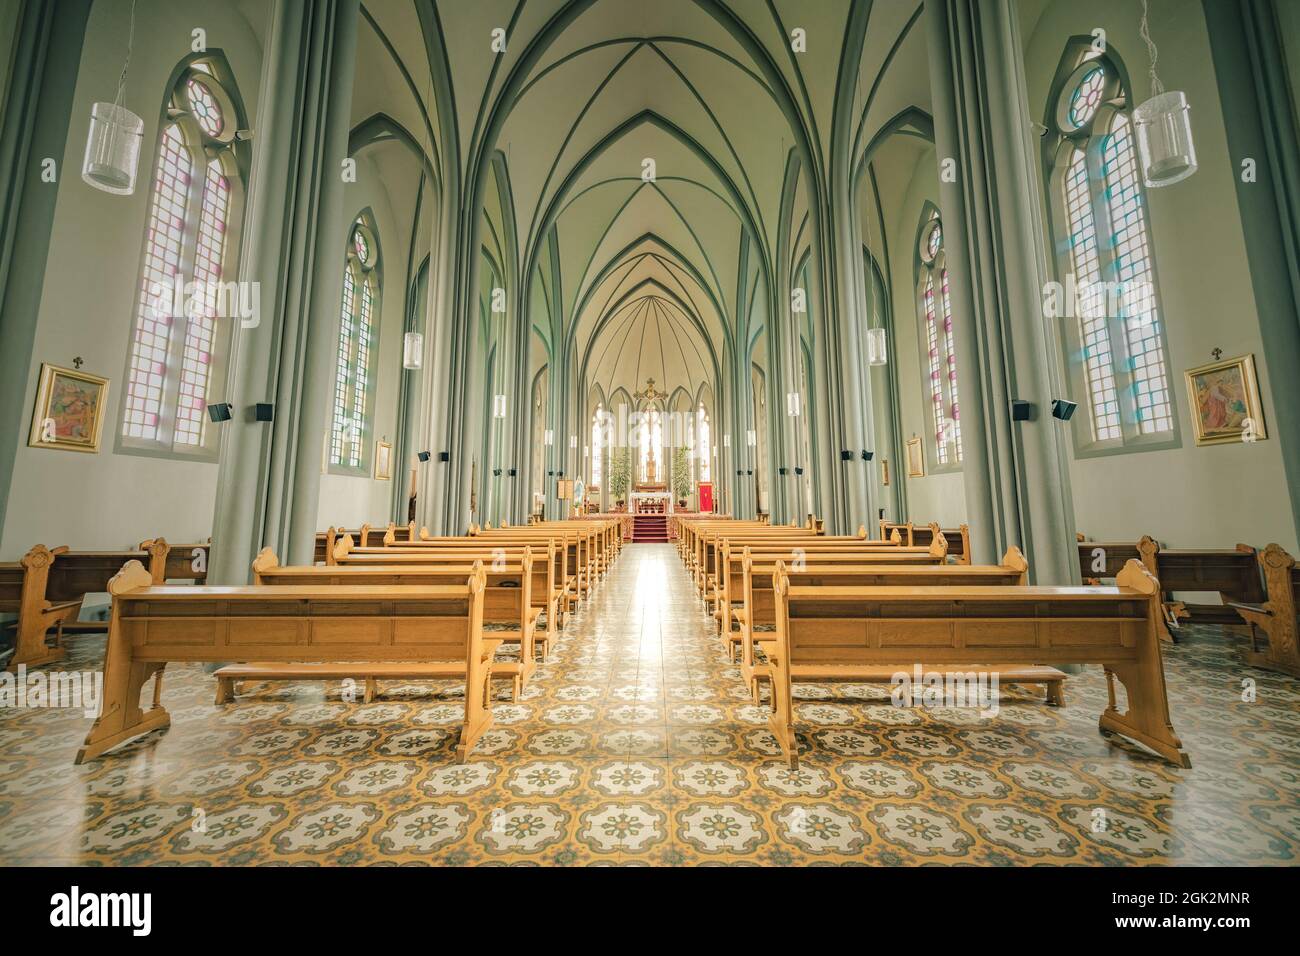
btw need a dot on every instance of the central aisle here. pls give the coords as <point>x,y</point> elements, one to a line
<point>637,742</point>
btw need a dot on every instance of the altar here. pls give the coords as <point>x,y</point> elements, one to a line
<point>650,502</point>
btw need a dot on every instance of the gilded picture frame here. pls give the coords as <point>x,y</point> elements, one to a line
<point>1224,401</point>
<point>383,461</point>
<point>915,458</point>
<point>69,410</point>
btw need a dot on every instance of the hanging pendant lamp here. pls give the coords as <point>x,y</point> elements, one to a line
<point>113,142</point>
<point>1163,125</point>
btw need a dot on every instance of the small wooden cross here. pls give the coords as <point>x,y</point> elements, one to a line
<point>1217,353</point>
<point>78,362</point>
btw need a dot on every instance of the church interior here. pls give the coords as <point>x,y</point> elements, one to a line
<point>672,434</point>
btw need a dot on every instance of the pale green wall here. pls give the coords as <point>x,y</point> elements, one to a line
<point>111,500</point>
<point>936,497</point>
<point>346,500</point>
<point>8,30</point>
<point>1212,496</point>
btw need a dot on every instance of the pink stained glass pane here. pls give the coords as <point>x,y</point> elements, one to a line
<point>200,331</point>
<point>951,350</point>
<point>159,274</point>
<point>347,324</point>
<point>935,383</point>
<point>361,373</point>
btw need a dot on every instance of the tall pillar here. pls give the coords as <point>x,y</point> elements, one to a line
<point>34,124</point>
<point>1245,42</point>
<point>268,484</point>
<point>1016,474</point>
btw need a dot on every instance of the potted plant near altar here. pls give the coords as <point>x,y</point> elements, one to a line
<point>620,470</point>
<point>681,476</point>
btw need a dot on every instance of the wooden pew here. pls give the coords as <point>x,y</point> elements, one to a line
<point>366,631</point>
<point>756,610</point>
<point>845,633</point>
<point>509,615</point>
<point>1276,617</point>
<point>546,588</point>
<point>726,584</point>
<point>913,535</point>
<point>57,588</point>
<point>1234,574</point>
<point>185,562</point>
<point>367,536</point>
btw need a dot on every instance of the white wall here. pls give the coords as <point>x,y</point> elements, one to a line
<point>111,500</point>
<point>1214,496</point>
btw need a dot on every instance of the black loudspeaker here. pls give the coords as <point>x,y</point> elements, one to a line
<point>559,474</point>
<point>264,411</point>
<point>220,412</point>
<point>739,472</point>
<point>1063,408</point>
<point>550,474</point>
<point>798,471</point>
<point>868,455</point>
<point>1021,411</point>
<point>496,472</point>
<point>750,471</point>
<point>513,473</point>
<point>846,456</point>
<point>444,456</point>
<point>783,471</point>
<point>424,455</point>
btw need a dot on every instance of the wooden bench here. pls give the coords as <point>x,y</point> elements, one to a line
<point>756,611</point>
<point>509,615</point>
<point>440,629</point>
<point>913,534</point>
<point>1234,574</point>
<point>48,586</point>
<point>844,633</point>
<point>546,590</point>
<point>1276,617</point>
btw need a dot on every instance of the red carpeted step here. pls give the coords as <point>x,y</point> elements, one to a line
<point>650,529</point>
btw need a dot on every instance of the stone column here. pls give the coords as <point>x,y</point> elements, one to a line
<point>1248,57</point>
<point>35,119</point>
<point>1016,474</point>
<point>295,229</point>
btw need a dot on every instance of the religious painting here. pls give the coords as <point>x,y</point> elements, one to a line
<point>69,410</point>
<point>383,460</point>
<point>1225,401</point>
<point>915,458</point>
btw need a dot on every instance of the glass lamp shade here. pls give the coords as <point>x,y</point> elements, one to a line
<point>751,438</point>
<point>412,350</point>
<point>112,149</point>
<point>499,406</point>
<point>877,352</point>
<point>548,437</point>
<point>1164,135</point>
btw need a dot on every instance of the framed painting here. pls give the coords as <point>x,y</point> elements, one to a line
<point>1225,401</point>
<point>383,461</point>
<point>69,411</point>
<point>915,458</point>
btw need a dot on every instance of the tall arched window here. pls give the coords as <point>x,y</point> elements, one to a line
<point>597,445</point>
<point>703,451</point>
<point>358,331</point>
<point>938,351</point>
<point>1108,299</point>
<point>650,436</point>
<point>186,296</point>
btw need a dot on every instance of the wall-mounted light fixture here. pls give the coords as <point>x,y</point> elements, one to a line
<point>498,406</point>
<point>792,404</point>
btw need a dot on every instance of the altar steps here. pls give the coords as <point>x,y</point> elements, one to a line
<point>650,528</point>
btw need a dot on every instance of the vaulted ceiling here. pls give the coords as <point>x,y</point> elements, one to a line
<point>628,275</point>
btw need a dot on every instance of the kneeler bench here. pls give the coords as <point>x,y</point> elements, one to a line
<point>229,676</point>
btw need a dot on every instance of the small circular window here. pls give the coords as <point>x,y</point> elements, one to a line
<point>931,241</point>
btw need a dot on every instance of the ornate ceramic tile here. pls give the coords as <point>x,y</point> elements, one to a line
<point>637,743</point>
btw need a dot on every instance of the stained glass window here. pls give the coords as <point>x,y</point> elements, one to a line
<point>206,109</point>
<point>1087,96</point>
<point>939,346</point>
<point>354,365</point>
<point>1114,313</point>
<point>184,295</point>
<point>597,446</point>
<point>702,450</point>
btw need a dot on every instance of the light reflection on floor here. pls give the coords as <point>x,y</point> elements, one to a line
<point>637,743</point>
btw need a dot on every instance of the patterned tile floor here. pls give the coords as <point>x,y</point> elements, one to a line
<point>636,743</point>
